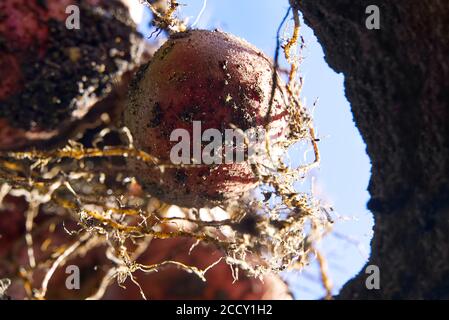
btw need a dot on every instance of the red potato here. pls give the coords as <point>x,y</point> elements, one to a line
<point>207,76</point>
<point>232,88</point>
<point>52,76</point>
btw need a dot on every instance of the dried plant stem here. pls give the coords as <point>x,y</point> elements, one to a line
<point>324,273</point>
<point>31,213</point>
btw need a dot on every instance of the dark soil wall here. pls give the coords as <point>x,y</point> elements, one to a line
<point>397,81</point>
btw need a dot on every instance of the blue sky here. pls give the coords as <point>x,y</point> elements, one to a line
<point>342,179</point>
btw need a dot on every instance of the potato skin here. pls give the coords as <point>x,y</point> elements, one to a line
<point>207,76</point>
<point>53,76</point>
